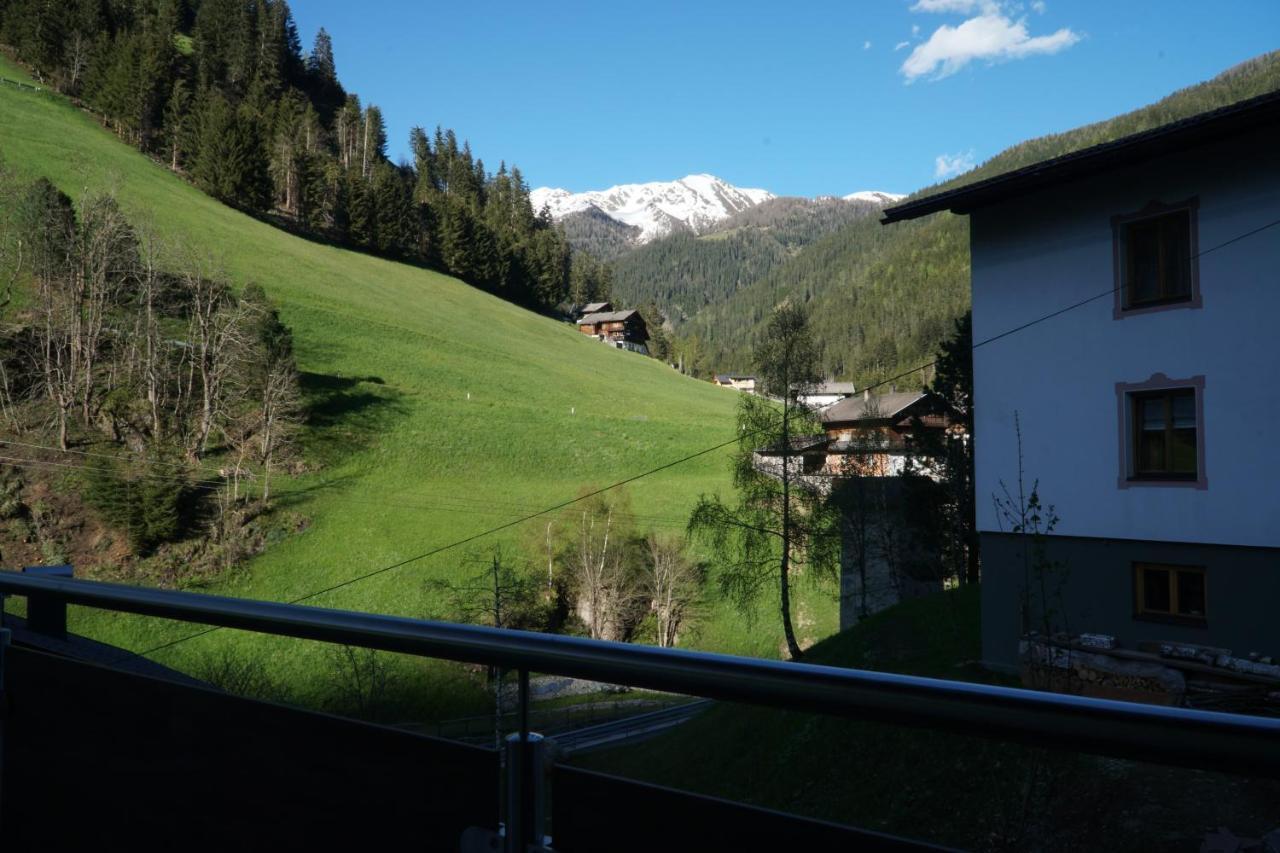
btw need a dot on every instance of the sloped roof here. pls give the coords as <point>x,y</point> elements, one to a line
<point>879,407</point>
<point>834,388</point>
<point>594,307</point>
<point>1242,117</point>
<point>608,317</point>
<point>799,444</point>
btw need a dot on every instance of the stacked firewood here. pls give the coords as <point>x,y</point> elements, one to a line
<point>1167,673</point>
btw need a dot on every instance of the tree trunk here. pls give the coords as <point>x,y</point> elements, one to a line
<point>793,647</point>
<point>784,568</point>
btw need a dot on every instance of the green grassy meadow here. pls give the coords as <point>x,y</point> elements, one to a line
<point>438,412</point>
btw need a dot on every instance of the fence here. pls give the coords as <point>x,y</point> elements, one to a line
<point>19,84</point>
<point>1164,735</point>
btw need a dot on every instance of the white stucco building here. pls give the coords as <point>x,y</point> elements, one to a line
<point>1149,409</point>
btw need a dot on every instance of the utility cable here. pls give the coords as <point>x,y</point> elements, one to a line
<point>668,465</point>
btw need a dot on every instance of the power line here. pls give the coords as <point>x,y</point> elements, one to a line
<point>113,456</point>
<point>687,458</point>
<point>20,462</point>
<point>1118,287</point>
<point>457,543</point>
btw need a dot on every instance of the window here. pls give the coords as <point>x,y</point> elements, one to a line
<point>1155,258</point>
<point>1162,432</point>
<point>1171,593</point>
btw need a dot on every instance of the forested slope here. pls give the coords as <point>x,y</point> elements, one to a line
<point>684,274</point>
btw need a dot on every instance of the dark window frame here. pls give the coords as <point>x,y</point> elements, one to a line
<point>1120,223</point>
<point>1126,396</point>
<point>1171,616</point>
<point>1138,433</point>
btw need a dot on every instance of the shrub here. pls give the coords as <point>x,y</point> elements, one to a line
<point>145,502</point>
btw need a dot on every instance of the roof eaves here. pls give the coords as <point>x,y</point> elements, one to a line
<point>1198,129</point>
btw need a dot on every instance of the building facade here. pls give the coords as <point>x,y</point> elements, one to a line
<point>1145,413</point>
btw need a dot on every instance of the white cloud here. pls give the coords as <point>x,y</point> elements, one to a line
<point>959,7</point>
<point>866,45</point>
<point>992,37</point>
<point>915,29</point>
<point>1039,6</point>
<point>949,165</point>
<point>900,45</point>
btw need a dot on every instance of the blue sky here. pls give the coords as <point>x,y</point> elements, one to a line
<point>799,98</point>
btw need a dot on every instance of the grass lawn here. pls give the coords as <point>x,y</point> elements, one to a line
<point>439,411</point>
<point>958,791</point>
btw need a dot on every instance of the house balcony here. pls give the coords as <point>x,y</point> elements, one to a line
<point>105,752</point>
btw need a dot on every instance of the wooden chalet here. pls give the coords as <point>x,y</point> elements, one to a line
<point>737,381</point>
<point>872,434</point>
<point>615,327</point>
<point>593,308</point>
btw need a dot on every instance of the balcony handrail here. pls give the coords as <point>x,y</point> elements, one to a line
<point>1233,743</point>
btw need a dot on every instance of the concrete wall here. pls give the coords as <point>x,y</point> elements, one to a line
<point>1242,593</point>
<point>903,559</point>
<point>1039,254</point>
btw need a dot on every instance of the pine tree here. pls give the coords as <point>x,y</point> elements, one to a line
<point>321,78</point>
<point>320,64</point>
<point>227,161</point>
<point>373,141</point>
<point>362,221</point>
<point>393,211</point>
<point>176,123</point>
<point>453,236</point>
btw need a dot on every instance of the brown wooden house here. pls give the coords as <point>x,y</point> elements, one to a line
<point>621,328</point>
<point>871,435</point>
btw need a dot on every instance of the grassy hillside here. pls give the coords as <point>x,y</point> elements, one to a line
<point>883,298</point>
<point>439,411</point>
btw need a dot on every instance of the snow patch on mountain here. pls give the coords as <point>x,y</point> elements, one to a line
<point>694,203</point>
<point>874,196</point>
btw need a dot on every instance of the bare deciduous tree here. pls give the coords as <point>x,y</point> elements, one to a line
<point>281,416</point>
<point>500,596</point>
<point>362,679</point>
<point>672,583</point>
<point>600,568</point>
<point>106,263</point>
<point>218,341</point>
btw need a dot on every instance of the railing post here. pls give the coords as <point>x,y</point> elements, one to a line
<point>48,614</point>
<point>526,772</point>
<point>4,706</point>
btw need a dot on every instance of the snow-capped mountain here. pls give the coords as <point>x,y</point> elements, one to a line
<point>694,202</point>
<point>874,196</point>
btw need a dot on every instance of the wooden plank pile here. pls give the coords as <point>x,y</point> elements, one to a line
<point>1160,672</point>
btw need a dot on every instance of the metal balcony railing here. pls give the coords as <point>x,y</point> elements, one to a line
<point>1164,735</point>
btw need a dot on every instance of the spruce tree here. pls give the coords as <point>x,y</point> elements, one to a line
<point>227,161</point>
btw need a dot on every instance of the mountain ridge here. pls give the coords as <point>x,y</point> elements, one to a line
<point>694,204</point>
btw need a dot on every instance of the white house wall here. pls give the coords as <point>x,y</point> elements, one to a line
<point>1044,252</point>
